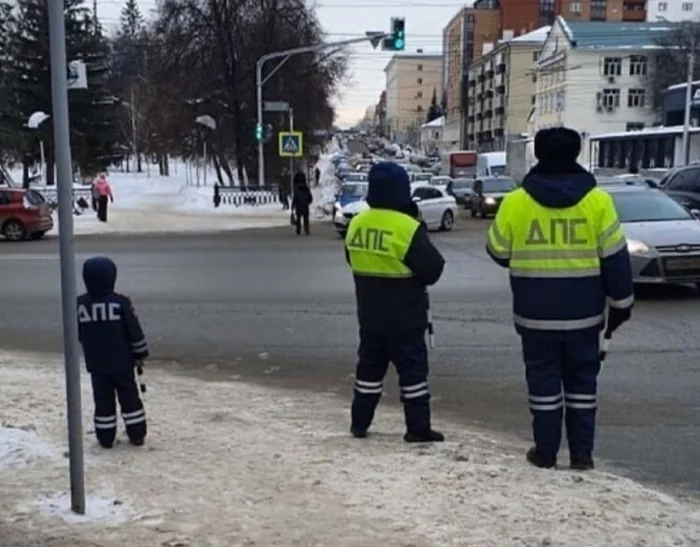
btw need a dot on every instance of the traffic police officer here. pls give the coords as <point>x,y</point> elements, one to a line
<point>561,238</point>
<point>393,261</point>
<point>113,342</point>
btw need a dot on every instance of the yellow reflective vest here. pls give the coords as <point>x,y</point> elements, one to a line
<point>554,256</point>
<point>377,241</point>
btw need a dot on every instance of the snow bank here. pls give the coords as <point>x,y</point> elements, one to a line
<point>231,464</point>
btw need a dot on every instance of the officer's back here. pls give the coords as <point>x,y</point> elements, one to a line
<point>392,257</point>
<point>106,321</point>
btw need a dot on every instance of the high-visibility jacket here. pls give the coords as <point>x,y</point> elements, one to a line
<point>392,260</point>
<point>557,259</point>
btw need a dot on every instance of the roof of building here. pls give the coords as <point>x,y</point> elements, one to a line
<point>607,35</point>
<point>437,122</point>
<point>405,56</point>
<point>536,36</point>
<point>646,132</point>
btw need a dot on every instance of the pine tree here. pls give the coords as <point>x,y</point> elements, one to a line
<point>132,23</point>
<point>30,71</point>
<point>434,111</point>
<point>8,142</point>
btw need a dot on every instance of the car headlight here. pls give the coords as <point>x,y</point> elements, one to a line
<point>637,247</point>
<point>490,201</point>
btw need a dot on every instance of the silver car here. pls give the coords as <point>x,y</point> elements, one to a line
<point>663,237</point>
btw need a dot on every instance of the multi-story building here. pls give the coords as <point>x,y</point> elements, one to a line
<point>502,85</point>
<point>673,10</point>
<point>380,114</point>
<point>482,26</point>
<point>592,76</point>
<point>411,79</point>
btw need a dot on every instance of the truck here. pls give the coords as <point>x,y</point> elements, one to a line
<point>459,164</point>
<point>520,157</point>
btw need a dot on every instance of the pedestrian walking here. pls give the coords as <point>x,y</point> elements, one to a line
<point>103,191</point>
<point>284,189</point>
<point>393,262</point>
<point>301,202</point>
<point>561,239</point>
<point>317,175</point>
<point>113,344</point>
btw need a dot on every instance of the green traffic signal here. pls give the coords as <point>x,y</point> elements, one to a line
<point>259,132</point>
<point>398,33</point>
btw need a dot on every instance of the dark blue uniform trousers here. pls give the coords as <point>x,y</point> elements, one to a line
<point>106,388</point>
<point>409,354</point>
<point>562,380</point>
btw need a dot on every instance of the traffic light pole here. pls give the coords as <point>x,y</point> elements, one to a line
<point>373,37</point>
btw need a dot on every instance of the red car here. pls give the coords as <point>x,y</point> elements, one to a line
<point>24,214</point>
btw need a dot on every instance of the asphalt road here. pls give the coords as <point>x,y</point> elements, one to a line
<point>275,307</point>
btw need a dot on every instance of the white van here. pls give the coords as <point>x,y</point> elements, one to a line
<point>491,164</point>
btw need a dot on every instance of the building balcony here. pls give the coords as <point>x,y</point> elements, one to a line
<point>501,68</point>
<point>470,119</point>
<point>480,78</point>
<point>472,83</point>
<point>490,73</point>
<point>500,111</point>
<point>498,132</point>
<point>489,94</point>
<point>479,115</point>
<point>501,89</point>
<point>488,114</point>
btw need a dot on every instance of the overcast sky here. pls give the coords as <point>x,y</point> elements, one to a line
<point>344,19</point>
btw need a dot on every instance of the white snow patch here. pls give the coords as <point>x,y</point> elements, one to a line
<point>98,509</point>
<point>20,448</point>
<point>230,463</point>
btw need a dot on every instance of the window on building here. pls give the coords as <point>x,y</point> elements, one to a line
<point>662,6</point>
<point>419,95</point>
<point>575,7</point>
<point>599,9</point>
<point>547,12</point>
<point>534,100</point>
<point>687,6</point>
<point>610,98</point>
<point>638,65</point>
<point>612,66</point>
<point>634,126</point>
<point>561,101</point>
<point>636,98</point>
<point>419,68</point>
<point>419,81</point>
<point>419,108</point>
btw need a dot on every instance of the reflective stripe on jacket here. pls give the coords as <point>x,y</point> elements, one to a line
<point>556,257</point>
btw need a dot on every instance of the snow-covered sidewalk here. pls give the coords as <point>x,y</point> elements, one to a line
<point>230,464</point>
<point>155,204</point>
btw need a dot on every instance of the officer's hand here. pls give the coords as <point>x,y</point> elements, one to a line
<point>616,317</point>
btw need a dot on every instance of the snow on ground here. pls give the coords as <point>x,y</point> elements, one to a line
<point>151,203</point>
<point>231,464</point>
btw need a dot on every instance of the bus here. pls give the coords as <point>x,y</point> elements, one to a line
<point>459,164</point>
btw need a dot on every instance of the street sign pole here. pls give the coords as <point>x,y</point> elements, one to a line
<point>291,160</point>
<point>61,131</point>
<point>374,38</point>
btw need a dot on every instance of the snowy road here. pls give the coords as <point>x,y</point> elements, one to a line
<point>270,306</point>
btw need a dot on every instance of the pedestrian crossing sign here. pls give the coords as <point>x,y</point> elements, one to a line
<point>291,144</point>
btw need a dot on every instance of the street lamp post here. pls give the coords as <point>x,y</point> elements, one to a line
<point>373,37</point>
<point>34,122</point>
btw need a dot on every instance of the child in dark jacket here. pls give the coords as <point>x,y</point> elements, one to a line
<point>113,344</point>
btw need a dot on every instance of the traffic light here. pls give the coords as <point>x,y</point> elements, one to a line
<point>259,132</point>
<point>396,41</point>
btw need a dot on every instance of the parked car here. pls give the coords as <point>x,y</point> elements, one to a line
<point>683,185</point>
<point>24,214</point>
<point>440,181</point>
<point>487,194</point>
<point>421,177</point>
<point>663,237</point>
<point>630,180</point>
<point>437,209</point>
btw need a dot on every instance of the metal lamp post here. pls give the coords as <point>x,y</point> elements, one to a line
<point>34,122</point>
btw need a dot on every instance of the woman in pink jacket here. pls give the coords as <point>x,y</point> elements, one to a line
<point>103,191</point>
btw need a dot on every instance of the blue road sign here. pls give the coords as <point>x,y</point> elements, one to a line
<point>291,144</point>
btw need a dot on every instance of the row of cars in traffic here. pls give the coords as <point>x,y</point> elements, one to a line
<point>661,218</point>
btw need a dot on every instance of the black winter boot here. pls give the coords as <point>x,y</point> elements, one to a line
<point>581,463</point>
<point>535,460</point>
<point>358,433</point>
<point>430,436</point>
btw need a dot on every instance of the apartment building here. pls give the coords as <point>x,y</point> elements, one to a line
<point>673,10</point>
<point>411,79</point>
<point>592,76</point>
<point>501,91</point>
<point>480,28</point>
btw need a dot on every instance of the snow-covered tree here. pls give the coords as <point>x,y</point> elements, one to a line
<point>132,23</point>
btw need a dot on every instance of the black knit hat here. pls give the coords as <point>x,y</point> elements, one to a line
<point>557,146</point>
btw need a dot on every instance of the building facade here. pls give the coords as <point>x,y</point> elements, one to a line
<point>502,86</point>
<point>673,10</point>
<point>476,30</point>
<point>592,76</point>
<point>411,79</point>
